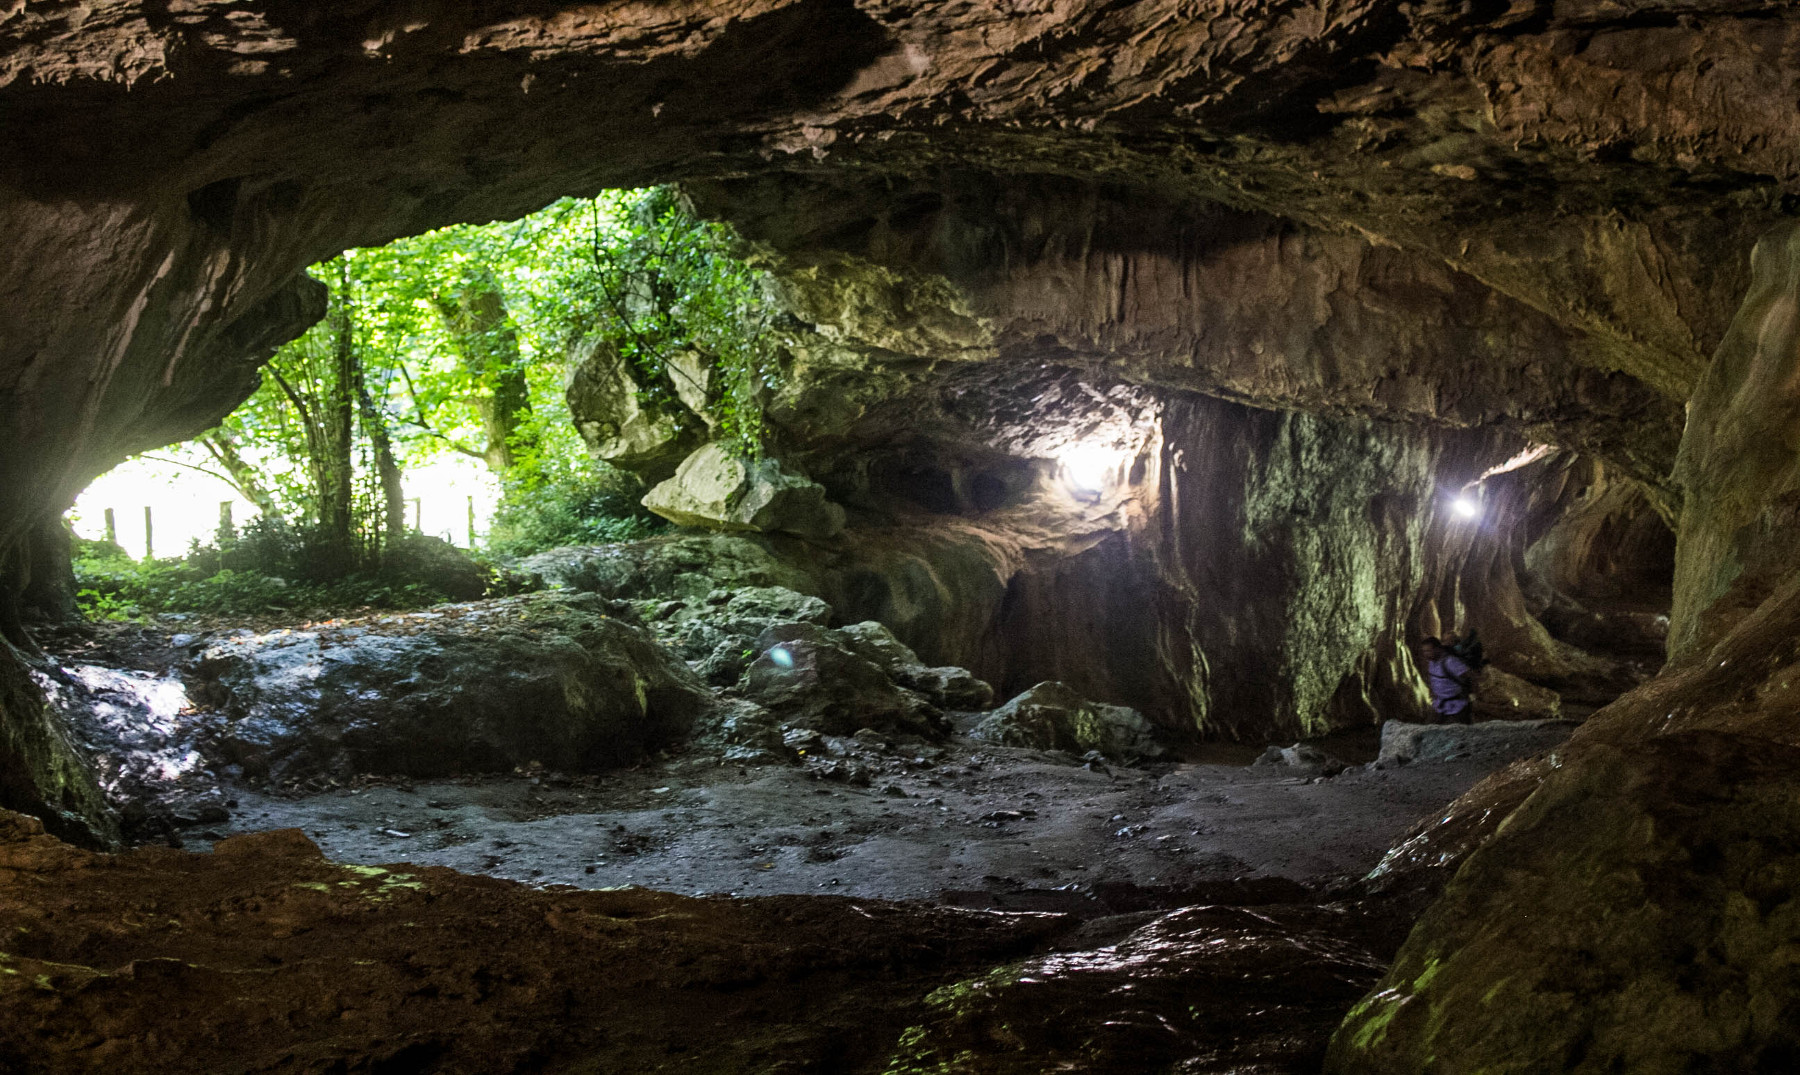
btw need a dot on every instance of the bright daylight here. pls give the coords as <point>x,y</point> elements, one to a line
<point>427,409</point>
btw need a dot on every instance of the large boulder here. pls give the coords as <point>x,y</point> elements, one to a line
<point>948,687</point>
<point>1300,758</point>
<point>683,566</point>
<point>716,490</point>
<point>1638,913</point>
<point>1491,741</point>
<point>810,679</point>
<point>481,687</point>
<point>619,426</point>
<point>1052,716</point>
<point>717,633</point>
<point>438,565</point>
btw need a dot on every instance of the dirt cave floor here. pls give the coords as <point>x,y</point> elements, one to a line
<point>965,822</point>
<point>994,910</point>
<point>962,822</point>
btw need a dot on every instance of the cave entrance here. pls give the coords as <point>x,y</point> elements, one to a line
<point>430,407</point>
<point>527,673</point>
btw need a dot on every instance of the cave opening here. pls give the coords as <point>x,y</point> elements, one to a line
<point>1037,639</point>
<point>638,401</point>
<point>1077,539</point>
<point>639,404</point>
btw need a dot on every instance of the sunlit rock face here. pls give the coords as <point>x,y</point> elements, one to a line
<point>718,489</point>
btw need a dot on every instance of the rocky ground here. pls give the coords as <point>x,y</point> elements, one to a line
<point>964,821</point>
<point>265,956</point>
<point>893,815</point>
<point>1008,888</point>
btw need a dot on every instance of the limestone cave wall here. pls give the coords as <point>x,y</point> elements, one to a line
<point>1521,219</point>
<point>1664,833</point>
<point>1475,183</point>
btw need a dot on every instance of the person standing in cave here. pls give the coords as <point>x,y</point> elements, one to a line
<point>1448,677</point>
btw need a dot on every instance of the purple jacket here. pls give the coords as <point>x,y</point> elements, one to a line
<point>1447,695</point>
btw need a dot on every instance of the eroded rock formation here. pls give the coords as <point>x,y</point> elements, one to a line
<point>1202,201</point>
<point>1402,241</point>
<point>1682,852</point>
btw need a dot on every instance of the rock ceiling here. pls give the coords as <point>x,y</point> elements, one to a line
<point>170,166</point>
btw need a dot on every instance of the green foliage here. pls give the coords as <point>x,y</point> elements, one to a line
<point>656,282</point>
<point>569,502</point>
<point>459,341</point>
<point>266,571</point>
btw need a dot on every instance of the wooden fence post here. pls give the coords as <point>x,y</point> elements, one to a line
<point>112,528</point>
<point>471,524</point>
<point>149,540</point>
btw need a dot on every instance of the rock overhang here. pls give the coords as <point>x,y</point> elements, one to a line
<point>1575,186</point>
<point>1371,212</point>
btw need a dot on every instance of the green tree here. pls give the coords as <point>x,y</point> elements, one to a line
<point>458,340</point>
<point>661,285</point>
<point>482,335</point>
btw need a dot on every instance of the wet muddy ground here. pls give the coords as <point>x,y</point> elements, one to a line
<point>870,816</point>
<point>1193,923</point>
<point>965,822</point>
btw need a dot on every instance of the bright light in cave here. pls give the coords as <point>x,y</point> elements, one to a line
<point>1465,507</point>
<point>1089,468</point>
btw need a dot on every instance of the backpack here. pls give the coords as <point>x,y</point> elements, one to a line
<point>1468,650</point>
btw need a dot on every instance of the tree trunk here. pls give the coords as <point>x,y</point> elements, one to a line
<point>334,469</point>
<point>486,342</point>
<point>244,478</point>
<point>393,494</point>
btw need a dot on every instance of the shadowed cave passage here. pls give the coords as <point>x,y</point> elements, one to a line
<point>1029,637</point>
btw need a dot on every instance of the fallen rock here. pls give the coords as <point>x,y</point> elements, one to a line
<point>1501,695</point>
<point>744,733</point>
<point>808,679</point>
<point>438,565</point>
<point>609,408</point>
<point>1246,989</point>
<point>948,687</point>
<point>1302,757</point>
<point>951,688</point>
<point>687,567</point>
<point>717,634</point>
<point>1495,740</point>
<point>716,490</point>
<point>481,687</point>
<point>1051,716</point>
<point>756,608</point>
